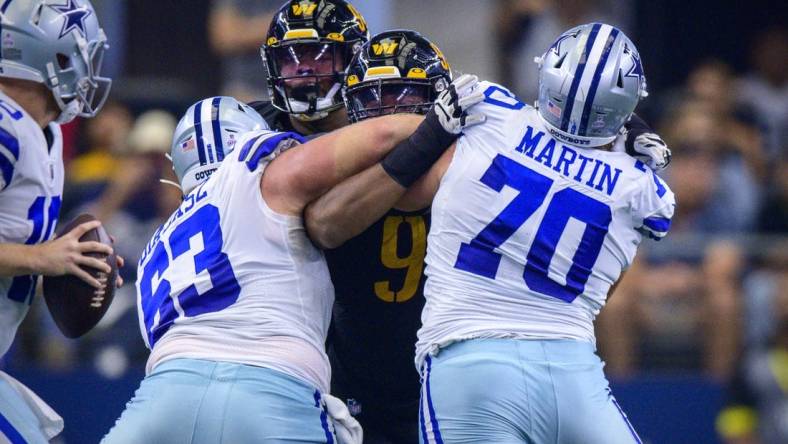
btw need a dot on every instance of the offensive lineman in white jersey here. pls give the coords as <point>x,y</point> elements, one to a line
<point>234,300</point>
<point>49,74</point>
<point>534,221</point>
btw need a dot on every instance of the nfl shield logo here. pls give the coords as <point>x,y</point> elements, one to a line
<point>353,406</point>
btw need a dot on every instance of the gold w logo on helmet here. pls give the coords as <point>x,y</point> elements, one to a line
<point>387,47</point>
<point>305,7</point>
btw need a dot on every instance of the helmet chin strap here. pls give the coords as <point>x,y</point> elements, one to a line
<point>68,111</point>
<point>300,110</point>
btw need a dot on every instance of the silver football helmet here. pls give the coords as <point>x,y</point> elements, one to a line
<point>590,80</point>
<point>58,43</point>
<point>206,134</point>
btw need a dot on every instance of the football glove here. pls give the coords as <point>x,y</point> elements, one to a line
<point>452,104</point>
<point>642,143</point>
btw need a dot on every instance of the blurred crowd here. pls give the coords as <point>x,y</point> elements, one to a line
<point>712,298</point>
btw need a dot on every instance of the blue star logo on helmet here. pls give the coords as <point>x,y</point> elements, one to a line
<point>74,17</point>
<point>637,67</point>
<point>556,46</point>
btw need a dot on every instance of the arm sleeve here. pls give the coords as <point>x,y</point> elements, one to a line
<point>653,207</point>
<point>9,154</point>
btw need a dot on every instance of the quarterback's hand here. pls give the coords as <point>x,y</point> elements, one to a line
<point>451,106</point>
<point>642,143</point>
<point>66,255</point>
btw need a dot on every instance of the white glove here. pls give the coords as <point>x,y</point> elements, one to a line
<point>347,429</point>
<point>652,150</point>
<point>452,105</point>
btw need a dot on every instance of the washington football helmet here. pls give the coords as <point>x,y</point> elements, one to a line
<point>395,72</point>
<point>306,52</point>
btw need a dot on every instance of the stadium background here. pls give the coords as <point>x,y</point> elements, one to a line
<point>694,310</point>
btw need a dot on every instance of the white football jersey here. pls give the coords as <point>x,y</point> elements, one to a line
<point>31,185</point>
<point>228,279</point>
<point>528,234</point>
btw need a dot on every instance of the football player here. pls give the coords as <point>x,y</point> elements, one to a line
<point>637,140</point>
<point>234,300</point>
<point>49,73</point>
<point>377,309</point>
<point>308,47</point>
<point>378,274</point>
<point>534,221</point>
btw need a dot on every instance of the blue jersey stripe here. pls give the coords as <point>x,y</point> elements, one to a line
<point>658,224</point>
<point>10,142</point>
<point>198,129</point>
<point>6,169</point>
<point>217,131</point>
<point>268,146</point>
<point>595,81</point>
<point>8,430</point>
<point>324,419</point>
<point>433,420</point>
<point>248,146</point>
<point>570,100</point>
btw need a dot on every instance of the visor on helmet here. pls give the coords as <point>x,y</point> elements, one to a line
<point>307,74</point>
<point>388,97</point>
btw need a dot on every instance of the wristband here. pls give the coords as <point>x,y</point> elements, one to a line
<point>414,156</point>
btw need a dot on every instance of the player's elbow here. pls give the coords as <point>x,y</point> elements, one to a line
<point>322,230</point>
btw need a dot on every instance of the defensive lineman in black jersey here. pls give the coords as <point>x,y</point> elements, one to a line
<point>378,275</point>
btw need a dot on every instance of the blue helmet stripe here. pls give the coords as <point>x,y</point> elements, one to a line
<point>198,129</point>
<point>217,130</point>
<point>5,6</point>
<point>570,100</point>
<point>595,81</point>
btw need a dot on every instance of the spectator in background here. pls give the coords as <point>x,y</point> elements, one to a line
<point>684,298</point>
<point>717,170</point>
<point>236,29</point>
<point>677,308</point>
<point>773,218</point>
<point>90,171</point>
<point>765,88</point>
<point>134,201</point>
<point>757,409</point>
<point>526,27</point>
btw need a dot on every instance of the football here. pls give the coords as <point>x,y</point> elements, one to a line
<point>76,306</point>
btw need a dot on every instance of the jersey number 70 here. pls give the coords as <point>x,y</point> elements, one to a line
<point>479,256</point>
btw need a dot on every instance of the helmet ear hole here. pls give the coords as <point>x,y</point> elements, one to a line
<point>560,61</point>
<point>620,81</point>
<point>63,61</point>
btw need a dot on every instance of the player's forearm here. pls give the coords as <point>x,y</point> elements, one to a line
<point>360,146</point>
<point>18,260</point>
<point>352,206</point>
